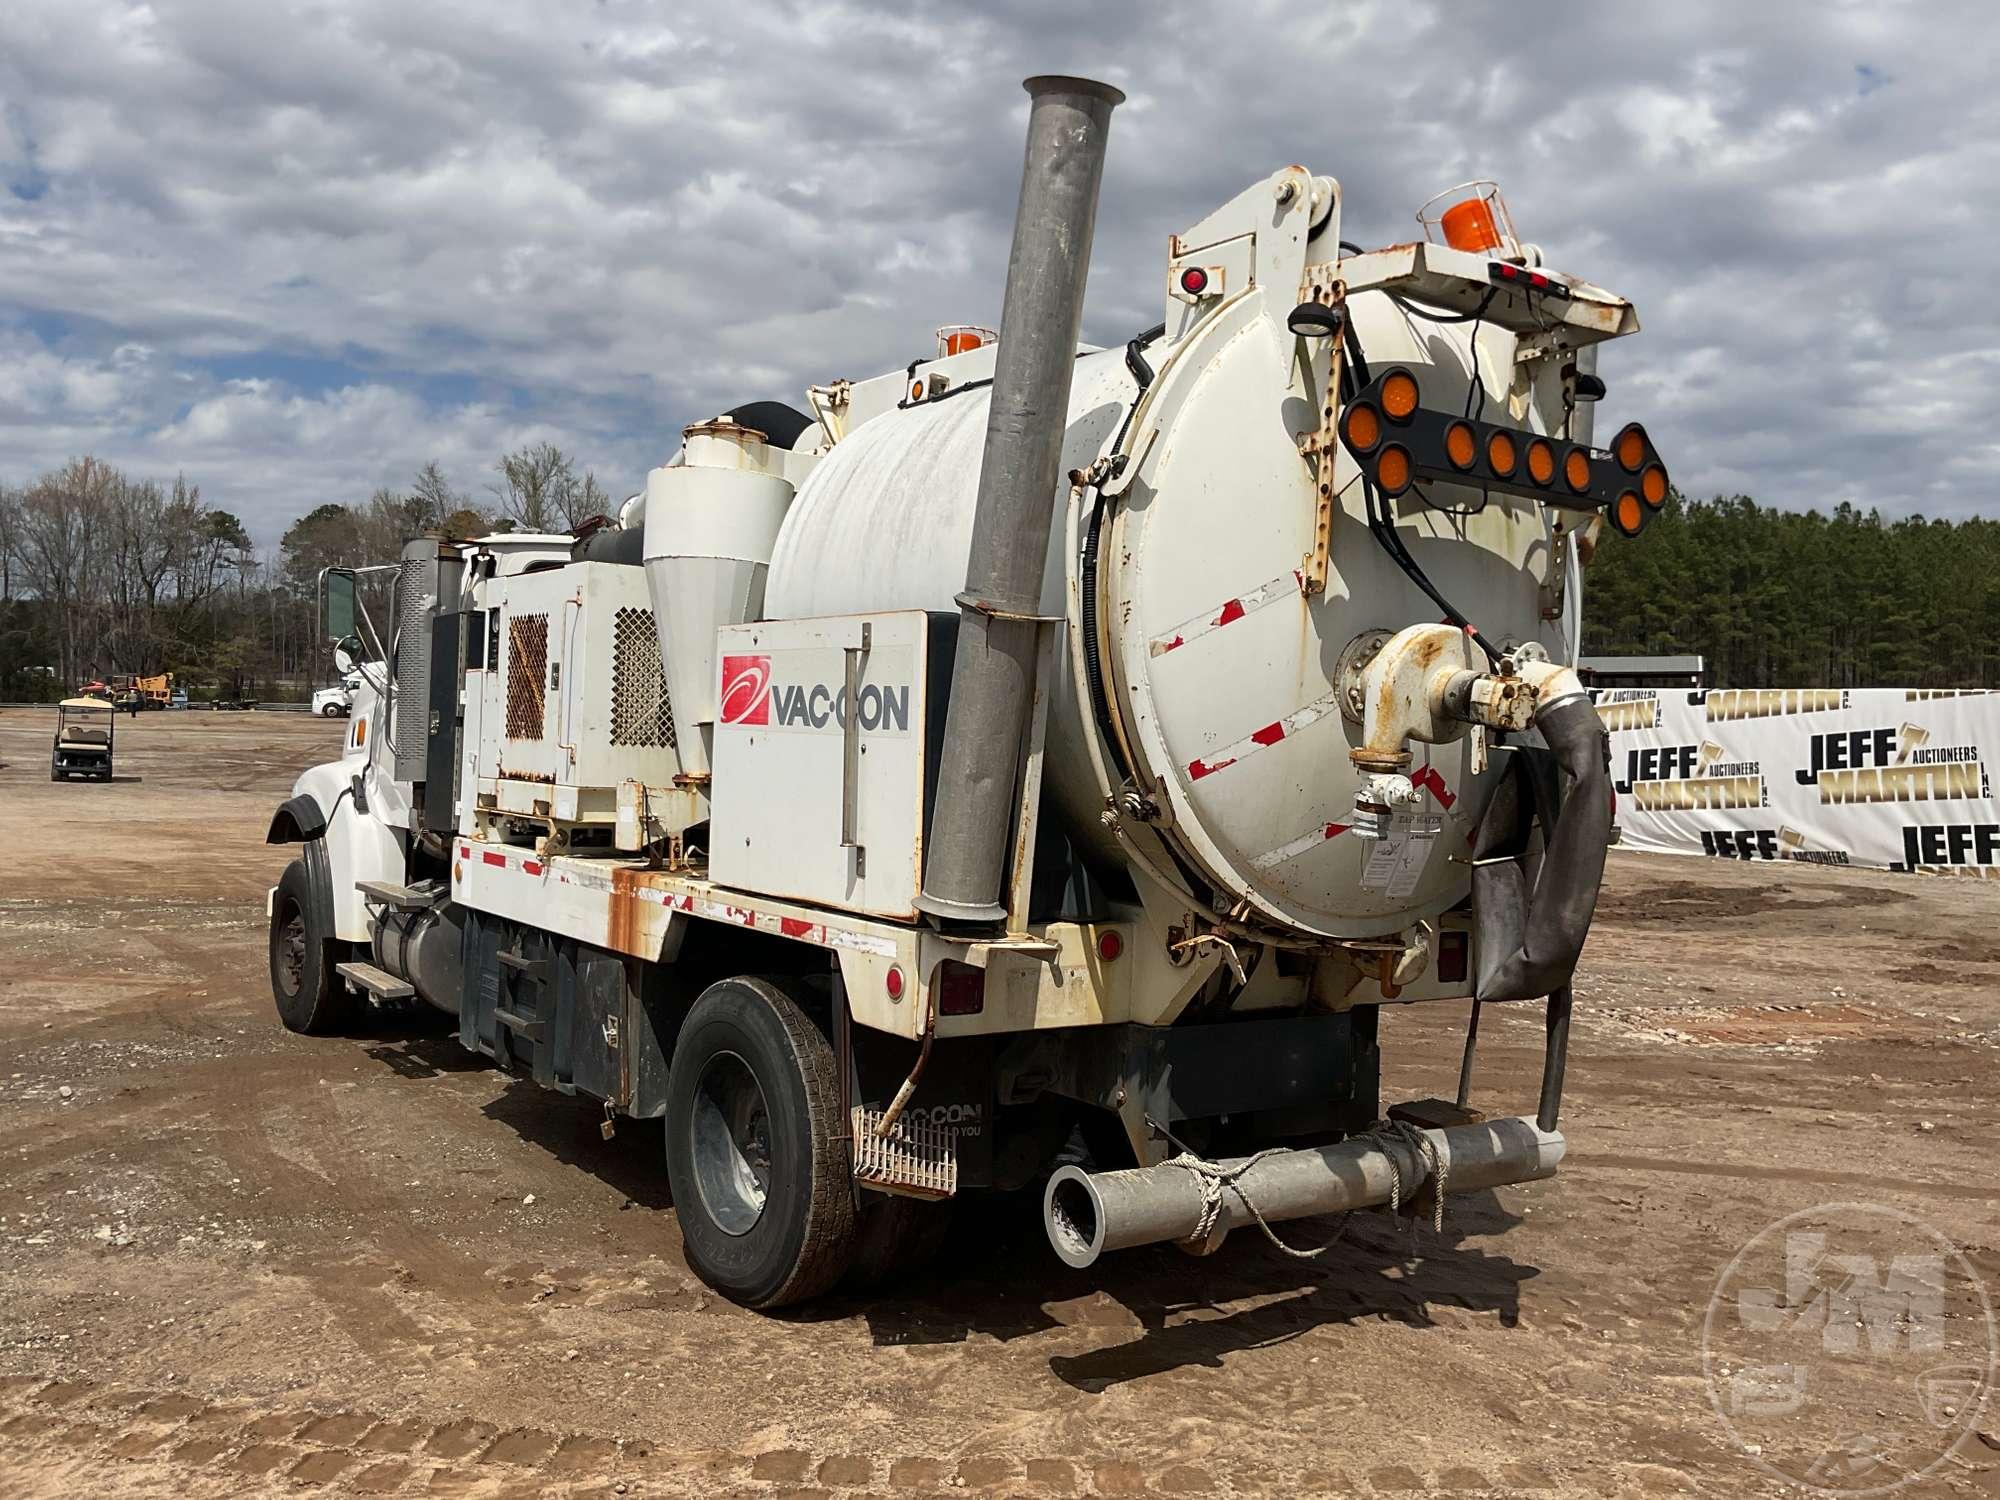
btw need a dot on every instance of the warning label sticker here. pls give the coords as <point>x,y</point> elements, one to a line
<point>1397,863</point>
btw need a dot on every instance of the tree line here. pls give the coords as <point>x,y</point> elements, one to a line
<point>1778,598</point>
<point>104,573</point>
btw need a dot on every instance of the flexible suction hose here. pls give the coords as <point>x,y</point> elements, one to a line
<point>1529,941</point>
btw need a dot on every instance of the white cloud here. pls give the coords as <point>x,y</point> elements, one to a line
<point>300,248</point>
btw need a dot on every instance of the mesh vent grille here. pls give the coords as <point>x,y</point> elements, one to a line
<point>527,672</point>
<point>640,712</point>
<point>413,658</point>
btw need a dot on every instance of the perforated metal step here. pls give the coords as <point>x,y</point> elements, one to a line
<point>917,1159</point>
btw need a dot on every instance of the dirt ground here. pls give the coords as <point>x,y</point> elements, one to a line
<point>235,1261</point>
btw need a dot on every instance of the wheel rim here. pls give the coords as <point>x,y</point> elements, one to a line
<point>292,948</point>
<point>731,1139</point>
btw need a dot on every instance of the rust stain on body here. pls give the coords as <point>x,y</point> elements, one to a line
<point>623,936</point>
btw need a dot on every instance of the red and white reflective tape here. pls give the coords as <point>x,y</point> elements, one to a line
<point>1282,587</point>
<point>503,859</point>
<point>1426,777</point>
<point>1431,780</point>
<point>1311,839</point>
<point>801,929</point>
<point>1270,734</point>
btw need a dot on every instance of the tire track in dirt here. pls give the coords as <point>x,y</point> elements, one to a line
<point>1751,1172</point>
<point>178,1442</point>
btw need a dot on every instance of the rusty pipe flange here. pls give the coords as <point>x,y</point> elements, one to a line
<point>1379,762</point>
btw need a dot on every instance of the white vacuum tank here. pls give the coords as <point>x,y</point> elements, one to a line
<point>1220,670</point>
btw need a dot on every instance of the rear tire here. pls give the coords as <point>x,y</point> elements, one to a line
<point>756,1149</point>
<point>311,998</point>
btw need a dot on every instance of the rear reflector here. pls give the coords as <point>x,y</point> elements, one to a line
<point>961,989</point>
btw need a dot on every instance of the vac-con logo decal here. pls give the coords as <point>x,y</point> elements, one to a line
<point>1690,778</point>
<point>1891,765</point>
<point>752,696</point>
<point>746,689</point>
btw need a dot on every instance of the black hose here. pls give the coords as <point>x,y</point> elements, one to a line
<point>1529,941</point>
<point>1142,372</point>
<point>1555,1059</point>
<point>1382,522</point>
<point>1093,665</point>
<point>1431,315</point>
<point>1465,1059</point>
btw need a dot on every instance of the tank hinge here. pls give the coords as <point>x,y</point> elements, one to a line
<point>1321,446</point>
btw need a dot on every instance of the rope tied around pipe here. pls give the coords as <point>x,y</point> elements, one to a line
<point>1211,1178</point>
<point>1427,1152</point>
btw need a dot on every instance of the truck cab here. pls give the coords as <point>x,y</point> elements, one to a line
<point>337,700</point>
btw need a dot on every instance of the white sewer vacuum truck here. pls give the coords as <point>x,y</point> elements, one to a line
<point>1037,766</point>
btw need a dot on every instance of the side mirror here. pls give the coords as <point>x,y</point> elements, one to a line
<point>347,661</point>
<point>336,603</point>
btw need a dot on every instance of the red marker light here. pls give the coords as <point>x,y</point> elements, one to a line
<point>894,982</point>
<point>1535,281</point>
<point>1109,945</point>
<point>1194,281</point>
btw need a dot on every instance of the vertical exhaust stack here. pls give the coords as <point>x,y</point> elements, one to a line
<point>992,677</point>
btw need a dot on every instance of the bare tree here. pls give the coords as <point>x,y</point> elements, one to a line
<point>434,494</point>
<point>583,501</point>
<point>536,486</point>
<point>137,547</point>
<point>61,519</point>
<point>10,529</point>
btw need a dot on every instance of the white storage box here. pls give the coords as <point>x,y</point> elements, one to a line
<point>812,804</point>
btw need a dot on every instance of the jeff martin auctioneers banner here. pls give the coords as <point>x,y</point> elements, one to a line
<point>1892,778</point>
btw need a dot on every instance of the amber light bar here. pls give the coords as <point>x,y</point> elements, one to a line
<point>1399,443</point>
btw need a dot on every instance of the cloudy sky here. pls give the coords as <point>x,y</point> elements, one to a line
<point>298,247</point>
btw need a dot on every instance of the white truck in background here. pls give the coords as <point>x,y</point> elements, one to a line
<point>336,701</point>
<point>1037,765</point>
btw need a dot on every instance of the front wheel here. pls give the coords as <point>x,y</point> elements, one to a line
<point>756,1151</point>
<point>331,711</point>
<point>311,997</point>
